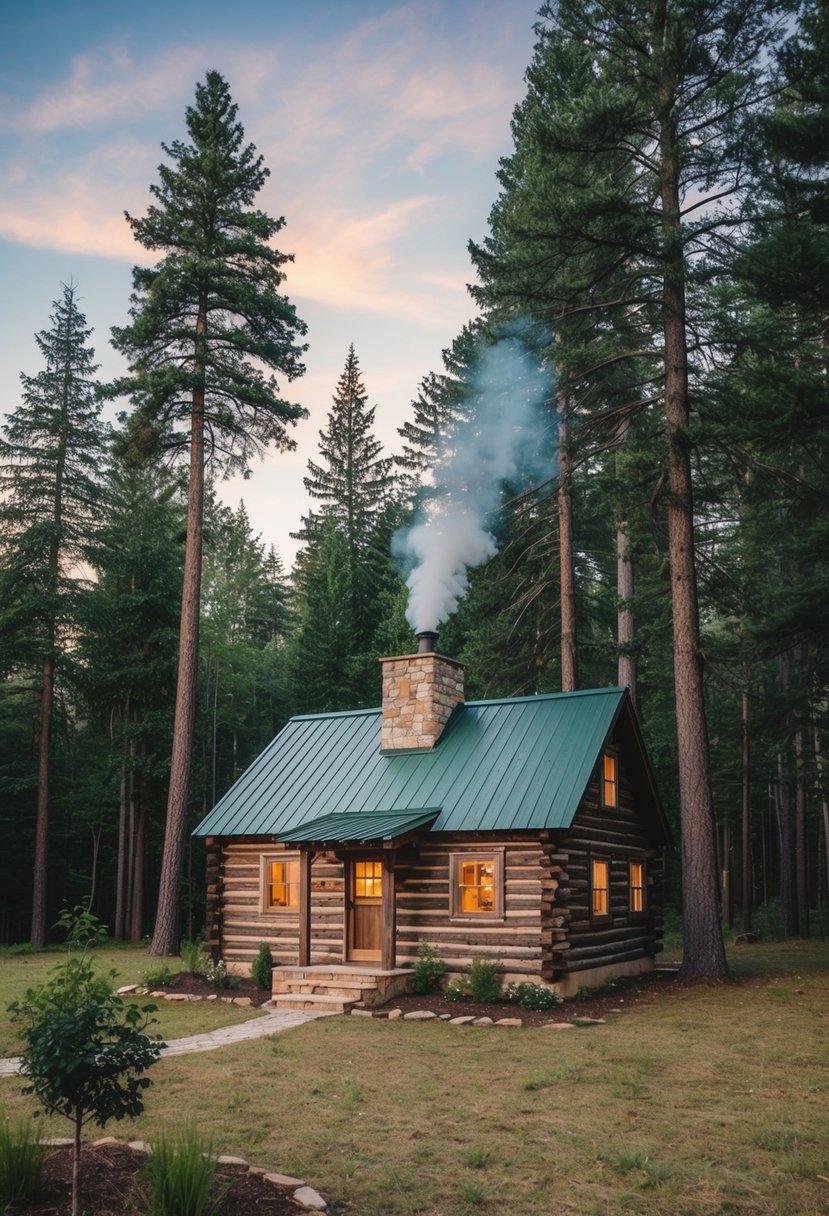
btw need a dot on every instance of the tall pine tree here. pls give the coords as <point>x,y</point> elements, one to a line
<point>205,320</point>
<point>49,462</point>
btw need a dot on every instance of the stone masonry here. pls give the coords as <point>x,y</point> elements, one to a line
<point>419,693</point>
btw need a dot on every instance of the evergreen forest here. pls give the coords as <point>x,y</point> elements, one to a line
<point>659,237</point>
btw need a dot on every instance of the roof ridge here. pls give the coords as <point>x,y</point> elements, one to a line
<point>551,696</point>
<point>334,713</point>
<point>506,700</point>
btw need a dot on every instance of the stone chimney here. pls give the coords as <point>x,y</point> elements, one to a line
<point>419,693</point>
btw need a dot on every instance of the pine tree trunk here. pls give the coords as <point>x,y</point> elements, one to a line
<point>824,799</point>
<point>136,926</point>
<point>625,621</point>
<point>167,930</point>
<point>569,671</point>
<point>121,864</point>
<point>40,885</point>
<point>800,846</point>
<point>783,803</point>
<point>703,951</point>
<point>746,820</point>
<point>786,816</point>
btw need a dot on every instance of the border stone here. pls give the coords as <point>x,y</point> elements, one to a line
<point>277,1179</point>
<point>309,1198</point>
<point>303,1194</point>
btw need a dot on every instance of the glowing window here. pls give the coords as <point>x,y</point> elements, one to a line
<point>281,883</point>
<point>610,780</point>
<point>477,886</point>
<point>368,879</point>
<point>599,888</point>
<point>636,886</point>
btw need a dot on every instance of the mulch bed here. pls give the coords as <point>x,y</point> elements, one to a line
<point>626,996</point>
<point>197,985</point>
<point>111,1184</point>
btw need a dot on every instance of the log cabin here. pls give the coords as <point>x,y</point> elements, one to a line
<point>526,828</point>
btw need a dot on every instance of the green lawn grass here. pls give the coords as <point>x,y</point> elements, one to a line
<point>21,971</point>
<point>707,1101</point>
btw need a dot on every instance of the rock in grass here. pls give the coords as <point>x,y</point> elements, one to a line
<point>309,1198</point>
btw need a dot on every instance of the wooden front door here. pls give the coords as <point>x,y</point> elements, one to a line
<point>365,909</point>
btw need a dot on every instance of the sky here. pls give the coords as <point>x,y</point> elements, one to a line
<point>381,124</point>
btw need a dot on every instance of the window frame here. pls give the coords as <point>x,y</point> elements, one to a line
<point>600,918</point>
<point>638,913</point>
<point>494,857</point>
<point>267,908</point>
<point>609,753</point>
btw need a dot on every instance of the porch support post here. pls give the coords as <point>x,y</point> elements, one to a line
<point>388,956</point>
<point>305,856</point>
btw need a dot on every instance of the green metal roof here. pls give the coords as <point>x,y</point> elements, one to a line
<point>507,765</point>
<point>354,826</point>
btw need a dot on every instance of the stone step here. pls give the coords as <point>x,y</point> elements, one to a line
<point>360,979</point>
<point>312,1001</point>
<point>337,987</point>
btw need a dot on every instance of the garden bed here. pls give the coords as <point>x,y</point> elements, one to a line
<point>112,1183</point>
<point>624,996</point>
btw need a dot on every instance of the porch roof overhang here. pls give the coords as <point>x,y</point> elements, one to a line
<point>386,828</point>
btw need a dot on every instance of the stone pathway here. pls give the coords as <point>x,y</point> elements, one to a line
<point>255,1028</point>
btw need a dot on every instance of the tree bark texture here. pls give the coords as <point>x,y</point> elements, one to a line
<point>625,627</point>
<point>167,928</point>
<point>40,885</point>
<point>567,572</point>
<point>703,950</point>
<point>747,900</point>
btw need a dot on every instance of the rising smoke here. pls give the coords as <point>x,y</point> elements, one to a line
<point>502,438</point>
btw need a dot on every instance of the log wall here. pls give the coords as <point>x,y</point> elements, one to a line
<point>571,941</point>
<point>236,925</point>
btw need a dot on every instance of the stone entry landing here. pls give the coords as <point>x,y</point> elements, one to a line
<point>330,988</point>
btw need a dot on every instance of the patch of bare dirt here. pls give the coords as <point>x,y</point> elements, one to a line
<point>112,1184</point>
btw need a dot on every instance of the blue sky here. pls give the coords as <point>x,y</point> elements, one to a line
<point>381,124</point>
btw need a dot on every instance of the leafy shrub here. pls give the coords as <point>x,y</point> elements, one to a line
<point>21,1160</point>
<point>83,929</point>
<point>216,973</point>
<point>533,996</point>
<point>428,970</point>
<point>193,958</point>
<point>484,981</point>
<point>180,1174</point>
<point>262,967</point>
<point>457,989</point>
<point>159,976</point>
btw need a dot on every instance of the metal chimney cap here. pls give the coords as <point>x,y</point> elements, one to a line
<point>427,641</point>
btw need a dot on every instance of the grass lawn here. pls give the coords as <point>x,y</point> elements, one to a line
<point>21,971</point>
<point>708,1100</point>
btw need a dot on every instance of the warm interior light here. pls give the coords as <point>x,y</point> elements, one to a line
<point>368,880</point>
<point>600,893</point>
<point>284,884</point>
<point>637,886</point>
<point>610,795</point>
<point>477,886</point>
